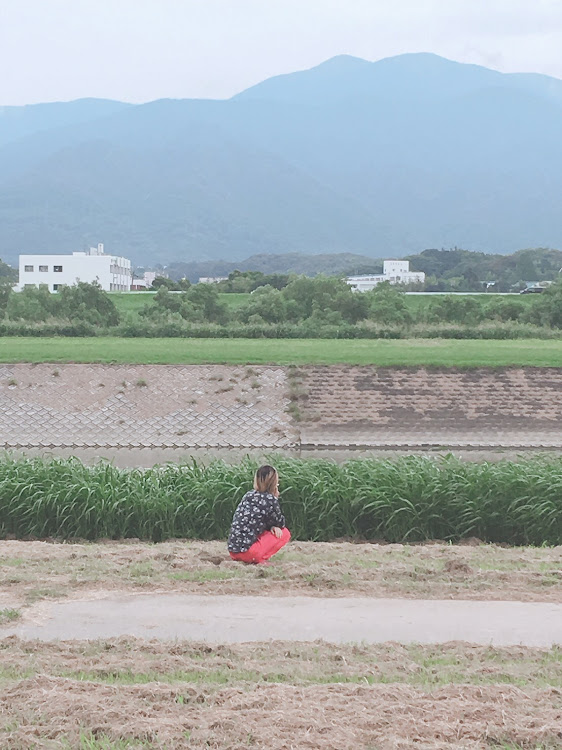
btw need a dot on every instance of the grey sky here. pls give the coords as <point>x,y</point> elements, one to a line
<point>139,50</point>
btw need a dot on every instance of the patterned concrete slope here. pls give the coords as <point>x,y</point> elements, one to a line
<point>368,406</point>
<point>75,406</point>
<point>189,407</point>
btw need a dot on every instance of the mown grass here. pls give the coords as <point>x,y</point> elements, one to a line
<point>406,499</point>
<point>98,694</point>
<point>404,352</point>
<point>89,741</point>
<point>424,666</point>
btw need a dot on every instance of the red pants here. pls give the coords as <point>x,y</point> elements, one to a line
<point>265,547</point>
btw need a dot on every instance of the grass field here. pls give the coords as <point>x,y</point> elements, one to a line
<point>131,302</point>
<point>405,352</point>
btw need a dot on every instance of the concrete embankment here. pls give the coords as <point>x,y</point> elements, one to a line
<point>102,410</point>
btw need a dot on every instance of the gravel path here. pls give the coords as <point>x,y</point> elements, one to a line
<point>234,619</point>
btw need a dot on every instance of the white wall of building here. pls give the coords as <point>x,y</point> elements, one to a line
<point>395,267</point>
<point>113,272</point>
<point>394,271</point>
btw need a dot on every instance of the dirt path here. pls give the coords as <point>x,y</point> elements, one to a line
<point>234,619</point>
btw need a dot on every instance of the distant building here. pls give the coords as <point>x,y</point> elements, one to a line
<point>212,279</point>
<point>149,277</point>
<point>141,283</point>
<point>112,272</point>
<point>394,271</point>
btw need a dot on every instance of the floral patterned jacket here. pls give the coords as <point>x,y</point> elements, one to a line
<point>256,513</point>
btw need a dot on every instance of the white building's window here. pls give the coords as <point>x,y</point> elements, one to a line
<point>28,269</point>
<point>44,269</point>
<point>57,269</point>
<point>56,287</point>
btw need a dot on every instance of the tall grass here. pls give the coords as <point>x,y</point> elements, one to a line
<point>406,499</point>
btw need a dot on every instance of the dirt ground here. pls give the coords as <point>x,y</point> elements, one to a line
<point>126,693</point>
<point>31,571</point>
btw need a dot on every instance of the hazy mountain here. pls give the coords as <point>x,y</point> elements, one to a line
<point>17,122</point>
<point>381,159</point>
<point>309,265</point>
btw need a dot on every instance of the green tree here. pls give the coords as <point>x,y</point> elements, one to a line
<point>267,303</point>
<point>387,305</point>
<point>321,295</point>
<point>499,308</point>
<point>455,309</point>
<point>205,297</point>
<point>8,274</point>
<point>33,305</point>
<point>89,303</point>
<point>547,311</point>
<point>162,305</point>
<point>5,292</point>
<point>164,281</point>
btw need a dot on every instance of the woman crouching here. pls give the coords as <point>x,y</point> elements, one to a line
<point>258,528</point>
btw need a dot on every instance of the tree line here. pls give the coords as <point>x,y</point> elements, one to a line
<point>307,306</point>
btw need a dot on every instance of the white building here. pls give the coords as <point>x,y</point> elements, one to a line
<point>113,273</point>
<point>394,271</point>
<point>149,277</point>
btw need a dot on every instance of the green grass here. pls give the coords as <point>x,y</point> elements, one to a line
<point>424,666</point>
<point>406,499</point>
<point>131,302</point>
<point>234,300</point>
<point>406,352</point>
<point>9,615</point>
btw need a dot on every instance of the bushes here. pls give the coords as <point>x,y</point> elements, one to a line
<point>46,330</point>
<point>548,309</point>
<point>201,303</point>
<point>177,328</point>
<point>407,499</point>
<point>82,302</point>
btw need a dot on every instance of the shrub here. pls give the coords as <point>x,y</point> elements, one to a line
<point>387,305</point>
<point>455,309</point>
<point>547,311</point>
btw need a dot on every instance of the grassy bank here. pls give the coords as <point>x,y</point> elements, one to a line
<point>404,352</point>
<point>408,499</point>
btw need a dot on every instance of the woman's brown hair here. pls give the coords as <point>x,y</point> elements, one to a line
<point>266,479</point>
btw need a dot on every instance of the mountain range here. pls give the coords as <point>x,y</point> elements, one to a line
<point>381,159</point>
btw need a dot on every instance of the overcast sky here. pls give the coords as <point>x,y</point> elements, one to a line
<point>139,50</point>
